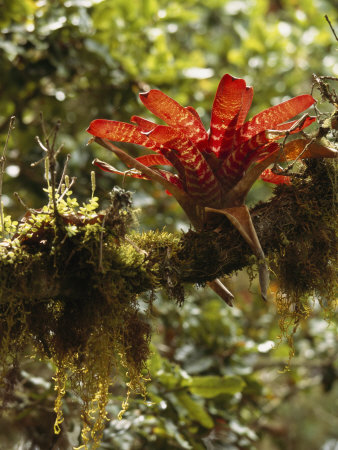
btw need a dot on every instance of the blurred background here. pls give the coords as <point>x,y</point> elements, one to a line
<point>78,60</point>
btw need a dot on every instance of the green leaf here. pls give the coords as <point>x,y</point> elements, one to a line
<point>195,410</point>
<point>211,386</point>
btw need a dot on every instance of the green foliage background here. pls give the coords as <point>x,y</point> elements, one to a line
<point>77,60</point>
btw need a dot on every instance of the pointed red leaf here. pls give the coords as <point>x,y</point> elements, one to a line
<point>195,113</point>
<point>271,117</point>
<point>151,173</point>
<point>143,124</point>
<point>241,152</point>
<point>227,139</point>
<point>236,162</point>
<point>164,135</point>
<point>176,116</point>
<point>171,157</point>
<point>120,132</point>
<point>153,160</point>
<point>288,125</point>
<point>134,173</point>
<point>255,147</point>
<point>246,103</point>
<point>227,104</point>
<point>237,122</point>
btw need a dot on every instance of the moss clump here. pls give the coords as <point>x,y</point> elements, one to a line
<point>85,318</point>
<point>305,245</point>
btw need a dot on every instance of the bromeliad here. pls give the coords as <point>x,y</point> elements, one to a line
<point>215,169</point>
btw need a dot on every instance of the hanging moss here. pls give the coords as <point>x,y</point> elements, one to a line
<point>85,307</point>
<point>305,256</point>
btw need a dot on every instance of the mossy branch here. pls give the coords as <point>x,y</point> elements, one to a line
<point>297,221</point>
<point>70,286</point>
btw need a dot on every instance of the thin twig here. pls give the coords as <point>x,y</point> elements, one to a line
<point>72,181</point>
<point>52,160</point>
<point>44,148</point>
<point>51,154</point>
<point>324,88</point>
<point>2,170</point>
<point>27,208</point>
<point>296,125</point>
<point>22,203</point>
<point>136,247</point>
<point>332,29</point>
<point>63,173</point>
<point>36,163</point>
<point>290,166</point>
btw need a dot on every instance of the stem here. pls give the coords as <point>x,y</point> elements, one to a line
<point>332,29</point>
<point>2,171</point>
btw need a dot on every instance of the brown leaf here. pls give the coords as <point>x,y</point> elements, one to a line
<point>293,149</point>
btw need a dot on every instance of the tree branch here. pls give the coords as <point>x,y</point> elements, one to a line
<point>295,228</point>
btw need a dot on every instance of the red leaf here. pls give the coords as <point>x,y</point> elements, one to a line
<point>200,180</point>
<point>120,132</point>
<point>195,113</point>
<point>172,178</point>
<point>271,117</point>
<point>171,157</point>
<point>271,177</point>
<point>255,147</point>
<point>262,152</point>
<point>153,160</point>
<point>232,169</point>
<point>226,106</point>
<point>246,103</point>
<point>242,155</point>
<point>176,116</point>
<point>143,124</point>
<point>164,135</point>
<point>286,126</point>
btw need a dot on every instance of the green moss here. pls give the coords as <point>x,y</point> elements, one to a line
<point>89,309</point>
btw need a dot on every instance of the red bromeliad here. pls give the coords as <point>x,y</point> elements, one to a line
<point>215,169</point>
